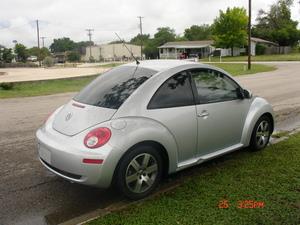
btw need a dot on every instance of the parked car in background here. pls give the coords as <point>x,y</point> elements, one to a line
<point>32,58</point>
<point>136,123</point>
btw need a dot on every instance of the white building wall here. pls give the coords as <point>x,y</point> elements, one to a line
<point>111,52</point>
<point>253,47</point>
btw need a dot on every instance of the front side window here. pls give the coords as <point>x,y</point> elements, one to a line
<point>112,88</point>
<point>213,86</point>
<point>174,92</point>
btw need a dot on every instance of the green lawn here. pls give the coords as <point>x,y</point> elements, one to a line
<point>111,65</point>
<point>271,176</point>
<point>281,57</point>
<point>47,87</point>
<point>237,69</point>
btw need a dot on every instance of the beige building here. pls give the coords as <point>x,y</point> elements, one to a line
<point>111,52</point>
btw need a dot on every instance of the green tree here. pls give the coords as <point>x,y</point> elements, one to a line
<point>181,38</point>
<point>41,53</point>
<point>195,32</point>
<point>73,56</point>
<point>137,39</point>
<point>21,52</point>
<point>230,28</point>
<point>7,55</point>
<point>81,46</point>
<point>62,45</point>
<point>164,35</point>
<point>276,24</point>
<point>150,49</point>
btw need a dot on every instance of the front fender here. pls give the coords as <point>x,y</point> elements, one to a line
<point>140,129</point>
<point>259,106</point>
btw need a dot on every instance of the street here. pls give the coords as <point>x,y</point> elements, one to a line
<point>29,194</point>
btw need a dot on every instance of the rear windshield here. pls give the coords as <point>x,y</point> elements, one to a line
<point>112,88</point>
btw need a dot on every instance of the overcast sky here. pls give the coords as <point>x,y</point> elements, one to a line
<point>70,18</point>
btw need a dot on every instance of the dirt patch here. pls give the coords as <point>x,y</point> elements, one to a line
<point>32,74</point>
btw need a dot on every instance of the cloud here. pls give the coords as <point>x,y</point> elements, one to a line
<point>70,18</point>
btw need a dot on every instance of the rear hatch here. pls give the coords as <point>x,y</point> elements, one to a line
<point>75,117</point>
<point>99,100</point>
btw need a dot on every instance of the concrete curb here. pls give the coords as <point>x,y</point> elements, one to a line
<point>118,206</point>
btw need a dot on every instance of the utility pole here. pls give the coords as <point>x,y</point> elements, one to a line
<point>43,43</point>
<point>38,40</point>
<point>141,35</point>
<point>90,39</point>
<point>249,37</point>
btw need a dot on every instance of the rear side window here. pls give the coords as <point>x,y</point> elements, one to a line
<point>175,92</point>
<point>112,88</point>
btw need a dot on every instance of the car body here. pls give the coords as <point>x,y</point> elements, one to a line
<point>168,114</point>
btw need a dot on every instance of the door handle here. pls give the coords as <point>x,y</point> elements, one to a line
<point>204,113</point>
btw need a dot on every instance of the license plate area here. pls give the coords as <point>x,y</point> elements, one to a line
<point>44,153</point>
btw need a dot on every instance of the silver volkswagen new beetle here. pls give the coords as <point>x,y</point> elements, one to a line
<point>137,122</point>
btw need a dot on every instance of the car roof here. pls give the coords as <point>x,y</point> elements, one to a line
<point>161,64</point>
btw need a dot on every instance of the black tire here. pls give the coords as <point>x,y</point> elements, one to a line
<point>135,179</point>
<point>261,133</point>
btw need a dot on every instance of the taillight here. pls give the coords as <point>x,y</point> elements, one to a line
<point>97,137</point>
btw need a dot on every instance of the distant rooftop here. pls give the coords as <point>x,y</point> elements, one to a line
<point>187,44</point>
<point>259,40</point>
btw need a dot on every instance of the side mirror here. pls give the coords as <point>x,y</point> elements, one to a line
<point>247,93</point>
<point>240,93</point>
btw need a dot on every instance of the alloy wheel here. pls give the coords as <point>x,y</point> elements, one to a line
<point>262,133</point>
<point>141,173</point>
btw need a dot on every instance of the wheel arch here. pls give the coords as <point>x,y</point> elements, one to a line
<point>258,108</point>
<point>141,131</point>
<point>270,116</point>
<point>158,146</point>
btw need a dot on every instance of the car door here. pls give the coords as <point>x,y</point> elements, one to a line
<point>221,112</point>
<point>173,106</point>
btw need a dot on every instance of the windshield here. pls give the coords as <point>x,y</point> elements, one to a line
<point>112,88</point>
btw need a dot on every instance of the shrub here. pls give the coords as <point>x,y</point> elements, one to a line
<point>17,65</point>
<point>48,61</point>
<point>73,56</point>
<point>260,49</point>
<point>7,86</point>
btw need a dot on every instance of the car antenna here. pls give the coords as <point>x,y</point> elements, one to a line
<point>123,42</point>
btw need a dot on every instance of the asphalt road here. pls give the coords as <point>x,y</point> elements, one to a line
<point>29,194</point>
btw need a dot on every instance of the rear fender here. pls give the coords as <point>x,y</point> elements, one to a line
<point>139,129</point>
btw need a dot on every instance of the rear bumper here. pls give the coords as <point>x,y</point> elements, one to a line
<point>63,155</point>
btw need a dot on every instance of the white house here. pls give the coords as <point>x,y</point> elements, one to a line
<point>174,50</point>
<point>201,49</point>
<point>270,47</point>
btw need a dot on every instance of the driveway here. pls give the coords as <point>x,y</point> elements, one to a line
<point>29,194</point>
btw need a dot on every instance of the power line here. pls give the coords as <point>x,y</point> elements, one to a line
<point>90,39</point>
<point>141,34</point>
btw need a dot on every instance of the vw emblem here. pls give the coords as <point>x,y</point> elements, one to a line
<point>68,116</point>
